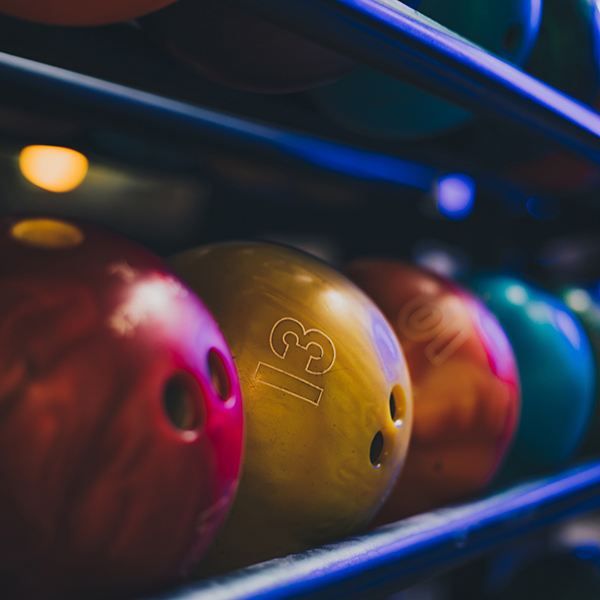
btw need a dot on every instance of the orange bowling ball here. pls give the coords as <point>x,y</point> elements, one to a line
<point>465,384</point>
<point>79,12</point>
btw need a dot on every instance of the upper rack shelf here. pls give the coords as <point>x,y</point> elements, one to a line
<point>384,34</point>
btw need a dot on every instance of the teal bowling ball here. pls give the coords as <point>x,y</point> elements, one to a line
<point>378,106</point>
<point>507,28</point>
<point>585,303</point>
<point>556,366</point>
<point>567,53</point>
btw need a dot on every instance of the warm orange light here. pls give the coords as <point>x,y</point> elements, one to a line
<point>47,233</point>
<point>53,168</point>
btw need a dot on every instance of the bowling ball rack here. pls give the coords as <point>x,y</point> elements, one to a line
<point>107,85</point>
<point>393,557</point>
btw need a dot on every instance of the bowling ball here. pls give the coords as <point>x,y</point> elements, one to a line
<point>233,47</point>
<point>79,12</point>
<point>376,105</point>
<point>557,369</point>
<point>465,384</point>
<point>566,56</point>
<point>585,303</point>
<point>121,424</point>
<point>327,398</point>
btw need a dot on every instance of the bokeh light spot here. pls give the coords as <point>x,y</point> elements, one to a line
<point>53,168</point>
<point>455,196</point>
<point>47,233</point>
<point>578,300</point>
<point>516,294</point>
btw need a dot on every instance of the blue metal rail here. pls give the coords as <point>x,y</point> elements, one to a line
<point>385,34</point>
<point>187,120</point>
<point>396,39</point>
<point>396,556</point>
<point>202,126</point>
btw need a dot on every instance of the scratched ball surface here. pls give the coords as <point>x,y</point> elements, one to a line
<point>223,42</point>
<point>465,384</point>
<point>79,12</point>
<point>556,365</point>
<point>326,394</point>
<point>121,423</point>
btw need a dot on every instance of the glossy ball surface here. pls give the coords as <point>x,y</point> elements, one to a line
<point>121,422</point>
<point>224,43</point>
<point>557,368</point>
<point>326,394</point>
<point>465,384</point>
<point>585,303</point>
<point>79,12</point>
<point>376,105</point>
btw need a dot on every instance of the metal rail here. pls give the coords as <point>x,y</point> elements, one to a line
<point>394,38</point>
<point>395,556</point>
<point>385,34</point>
<point>129,107</point>
<point>200,124</point>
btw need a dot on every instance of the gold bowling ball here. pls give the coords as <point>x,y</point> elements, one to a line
<point>326,392</point>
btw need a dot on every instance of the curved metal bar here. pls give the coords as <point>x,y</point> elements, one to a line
<point>195,121</point>
<point>395,556</point>
<point>394,38</point>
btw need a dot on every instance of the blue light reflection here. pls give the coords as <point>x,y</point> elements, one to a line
<point>456,196</point>
<point>542,207</point>
<point>356,162</point>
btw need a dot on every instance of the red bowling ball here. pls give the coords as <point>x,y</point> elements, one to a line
<point>465,385</point>
<point>79,12</point>
<point>121,422</point>
<point>555,172</point>
<point>233,47</point>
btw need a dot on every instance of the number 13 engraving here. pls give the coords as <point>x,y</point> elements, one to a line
<point>303,351</point>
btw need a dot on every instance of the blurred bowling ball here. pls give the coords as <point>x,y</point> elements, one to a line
<point>556,365</point>
<point>79,12</point>
<point>376,105</point>
<point>585,303</point>
<point>120,416</point>
<point>465,384</point>
<point>233,47</point>
<point>326,393</point>
<point>566,56</point>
